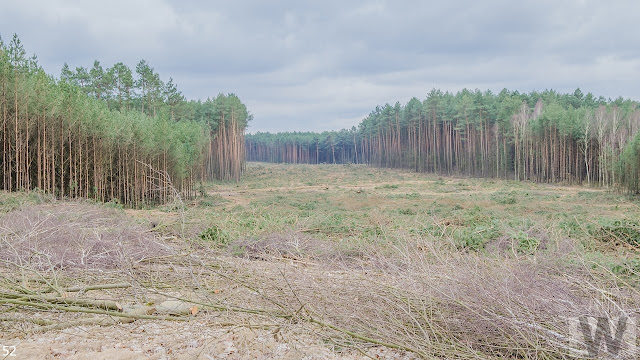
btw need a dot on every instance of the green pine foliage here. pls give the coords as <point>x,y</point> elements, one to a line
<point>540,136</point>
<point>329,147</point>
<point>111,134</point>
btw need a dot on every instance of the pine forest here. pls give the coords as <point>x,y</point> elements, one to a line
<point>112,134</point>
<point>544,136</point>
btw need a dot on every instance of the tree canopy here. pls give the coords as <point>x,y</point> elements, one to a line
<point>541,136</point>
<point>111,133</point>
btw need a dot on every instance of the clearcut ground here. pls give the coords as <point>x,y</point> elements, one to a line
<point>324,262</point>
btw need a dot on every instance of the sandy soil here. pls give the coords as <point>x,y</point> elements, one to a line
<point>105,234</point>
<point>170,340</point>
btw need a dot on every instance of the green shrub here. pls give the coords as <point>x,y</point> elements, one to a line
<point>469,238</point>
<point>475,228</point>
<point>619,230</point>
<point>626,267</point>
<point>407,212</point>
<point>474,237</point>
<point>410,196</point>
<point>213,201</point>
<point>215,234</point>
<point>571,227</point>
<point>372,231</point>
<point>388,186</point>
<point>309,205</point>
<point>115,204</point>
<point>525,243</point>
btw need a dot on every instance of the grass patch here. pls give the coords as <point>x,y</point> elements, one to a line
<point>618,231</point>
<point>504,198</point>
<point>388,186</point>
<point>410,196</point>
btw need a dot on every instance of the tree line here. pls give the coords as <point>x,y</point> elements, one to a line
<point>111,134</point>
<point>330,147</point>
<point>540,136</point>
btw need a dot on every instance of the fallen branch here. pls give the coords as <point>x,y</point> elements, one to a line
<point>97,287</point>
<point>176,307</point>
<point>41,322</point>
<point>99,320</point>
<point>102,321</point>
<point>100,304</point>
<point>49,306</point>
<point>365,338</point>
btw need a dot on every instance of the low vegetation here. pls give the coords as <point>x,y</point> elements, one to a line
<point>341,260</point>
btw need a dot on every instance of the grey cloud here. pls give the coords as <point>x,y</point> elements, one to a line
<point>318,64</point>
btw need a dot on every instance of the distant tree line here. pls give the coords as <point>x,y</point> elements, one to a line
<point>540,136</point>
<point>331,147</point>
<point>111,134</point>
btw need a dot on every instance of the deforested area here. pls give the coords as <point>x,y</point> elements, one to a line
<point>323,261</point>
<point>319,180</point>
<point>573,138</point>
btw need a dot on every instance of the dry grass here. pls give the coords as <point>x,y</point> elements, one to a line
<point>431,303</point>
<point>74,236</point>
<point>380,272</point>
<point>299,248</point>
<point>422,300</point>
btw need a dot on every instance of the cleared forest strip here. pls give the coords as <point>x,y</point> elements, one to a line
<point>544,137</point>
<point>471,268</point>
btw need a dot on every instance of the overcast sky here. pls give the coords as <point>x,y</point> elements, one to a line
<point>322,65</point>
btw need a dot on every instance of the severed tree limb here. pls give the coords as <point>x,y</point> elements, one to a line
<point>98,320</point>
<point>364,338</point>
<point>50,306</point>
<point>308,318</point>
<point>101,304</point>
<point>176,307</point>
<point>41,322</point>
<point>97,287</point>
<point>37,273</point>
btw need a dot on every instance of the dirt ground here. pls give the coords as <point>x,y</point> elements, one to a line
<point>198,339</point>
<point>208,335</point>
<point>79,244</point>
<point>326,262</point>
